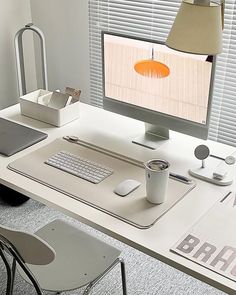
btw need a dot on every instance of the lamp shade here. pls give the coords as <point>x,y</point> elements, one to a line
<point>197,28</point>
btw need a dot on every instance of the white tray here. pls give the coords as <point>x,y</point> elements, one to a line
<point>58,117</point>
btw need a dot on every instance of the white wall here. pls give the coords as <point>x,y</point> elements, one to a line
<point>14,14</point>
<point>66,29</point>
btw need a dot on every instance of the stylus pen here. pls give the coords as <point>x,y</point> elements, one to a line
<point>180,177</point>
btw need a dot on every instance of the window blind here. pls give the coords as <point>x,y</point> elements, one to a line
<point>223,117</point>
<point>153,19</point>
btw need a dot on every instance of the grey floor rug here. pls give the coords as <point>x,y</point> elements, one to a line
<point>145,275</point>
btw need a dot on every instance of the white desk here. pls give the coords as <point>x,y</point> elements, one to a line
<point>115,133</point>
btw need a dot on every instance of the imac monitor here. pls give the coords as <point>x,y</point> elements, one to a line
<point>167,89</point>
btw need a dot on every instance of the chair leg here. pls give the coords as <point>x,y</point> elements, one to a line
<point>13,268</point>
<point>9,273</point>
<point>29,274</point>
<point>98,279</point>
<point>88,289</point>
<point>123,276</point>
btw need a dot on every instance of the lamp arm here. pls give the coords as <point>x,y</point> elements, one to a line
<point>202,2</point>
<point>223,13</point>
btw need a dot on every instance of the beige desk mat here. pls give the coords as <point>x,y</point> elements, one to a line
<point>133,209</point>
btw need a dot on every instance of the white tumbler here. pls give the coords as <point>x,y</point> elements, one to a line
<point>157,175</point>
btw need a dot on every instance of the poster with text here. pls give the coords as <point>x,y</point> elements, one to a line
<point>211,242</point>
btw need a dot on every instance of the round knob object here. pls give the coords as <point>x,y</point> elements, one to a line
<point>201,152</point>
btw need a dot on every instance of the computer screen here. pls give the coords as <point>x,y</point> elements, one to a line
<point>146,80</point>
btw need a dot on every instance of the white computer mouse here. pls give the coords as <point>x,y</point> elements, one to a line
<point>126,187</point>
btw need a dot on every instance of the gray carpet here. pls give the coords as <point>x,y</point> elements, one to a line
<point>145,275</point>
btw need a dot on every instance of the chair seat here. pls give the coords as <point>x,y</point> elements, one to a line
<point>80,258</point>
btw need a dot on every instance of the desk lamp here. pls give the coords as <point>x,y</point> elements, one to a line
<point>198,27</point>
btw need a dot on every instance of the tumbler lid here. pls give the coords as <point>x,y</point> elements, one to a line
<point>157,165</point>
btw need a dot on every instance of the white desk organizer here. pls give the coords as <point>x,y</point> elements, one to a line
<point>58,117</point>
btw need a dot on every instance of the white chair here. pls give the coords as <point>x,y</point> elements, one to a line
<point>58,257</point>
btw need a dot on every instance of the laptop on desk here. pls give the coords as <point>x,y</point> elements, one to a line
<point>15,137</point>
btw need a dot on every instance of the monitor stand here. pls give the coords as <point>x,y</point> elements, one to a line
<point>153,138</point>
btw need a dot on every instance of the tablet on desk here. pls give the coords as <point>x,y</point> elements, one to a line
<point>15,137</point>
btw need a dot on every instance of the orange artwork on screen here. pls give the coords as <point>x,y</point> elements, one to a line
<point>151,68</point>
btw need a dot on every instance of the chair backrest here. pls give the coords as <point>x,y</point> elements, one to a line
<point>32,249</point>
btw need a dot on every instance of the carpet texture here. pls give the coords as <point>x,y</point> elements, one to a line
<point>145,275</point>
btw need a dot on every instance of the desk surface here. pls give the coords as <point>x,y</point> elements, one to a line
<point>115,132</point>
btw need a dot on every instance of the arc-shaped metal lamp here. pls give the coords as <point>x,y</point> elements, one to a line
<point>198,27</point>
<point>20,57</point>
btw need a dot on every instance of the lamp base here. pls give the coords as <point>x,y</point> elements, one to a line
<point>206,174</point>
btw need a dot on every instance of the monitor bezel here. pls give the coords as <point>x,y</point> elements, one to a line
<point>177,124</point>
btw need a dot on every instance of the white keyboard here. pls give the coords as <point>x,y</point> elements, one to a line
<point>80,167</point>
